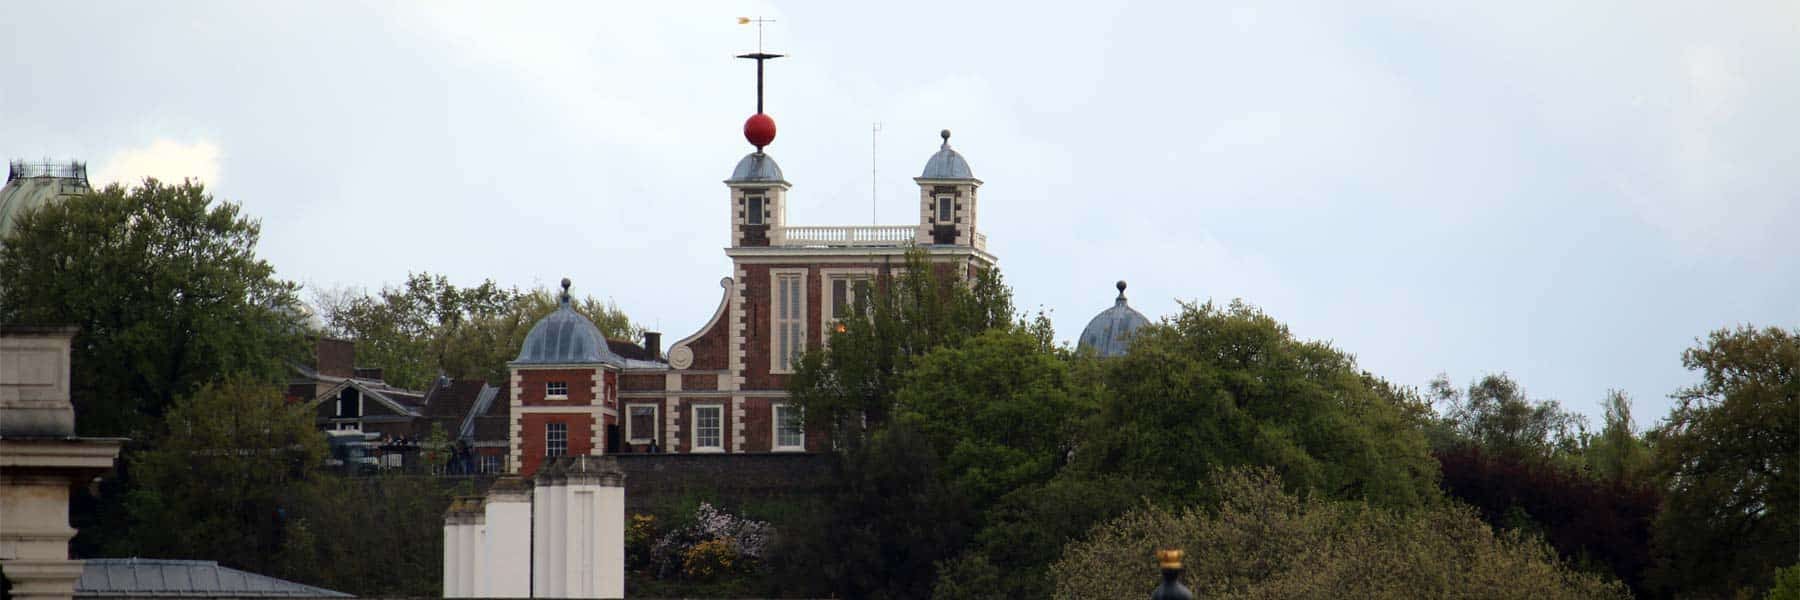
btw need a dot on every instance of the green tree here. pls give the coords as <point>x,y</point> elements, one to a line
<point>1495,414</point>
<point>168,293</point>
<point>222,477</point>
<point>429,326</point>
<point>1217,387</point>
<point>1618,453</point>
<point>1729,456</point>
<point>1260,541</point>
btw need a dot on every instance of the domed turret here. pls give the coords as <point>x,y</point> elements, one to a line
<point>1109,334</point>
<point>565,337</point>
<point>947,163</point>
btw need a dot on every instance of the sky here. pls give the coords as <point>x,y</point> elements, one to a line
<point>1568,193</point>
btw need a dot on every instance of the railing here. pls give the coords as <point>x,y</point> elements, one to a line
<point>19,169</point>
<point>876,235</point>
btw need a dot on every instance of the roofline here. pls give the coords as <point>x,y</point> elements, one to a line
<point>923,180</point>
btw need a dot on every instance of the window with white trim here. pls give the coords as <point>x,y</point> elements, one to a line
<point>556,390</point>
<point>556,439</point>
<point>640,423</point>
<point>753,210</point>
<point>788,433</point>
<point>789,322</point>
<point>709,428</point>
<point>490,463</point>
<point>946,209</point>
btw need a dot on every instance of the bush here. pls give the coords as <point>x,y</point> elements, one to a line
<point>716,544</point>
<point>1262,542</point>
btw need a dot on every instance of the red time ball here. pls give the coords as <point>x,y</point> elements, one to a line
<point>759,130</point>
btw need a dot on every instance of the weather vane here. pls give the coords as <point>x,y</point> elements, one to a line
<point>760,129</point>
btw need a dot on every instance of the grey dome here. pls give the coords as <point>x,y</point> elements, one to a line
<point>1109,334</point>
<point>565,337</point>
<point>947,164</point>
<point>756,166</point>
<point>31,185</point>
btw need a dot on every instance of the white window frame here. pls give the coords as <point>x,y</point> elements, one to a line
<point>550,428</point>
<point>945,203</point>
<point>339,404</point>
<point>550,390</point>
<point>827,316</point>
<point>631,432</point>
<point>775,411</point>
<point>694,428</point>
<point>755,207</point>
<point>490,463</point>
<point>792,328</point>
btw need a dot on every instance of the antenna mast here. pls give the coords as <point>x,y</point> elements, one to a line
<point>874,182</point>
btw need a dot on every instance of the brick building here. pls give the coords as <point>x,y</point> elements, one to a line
<point>723,389</point>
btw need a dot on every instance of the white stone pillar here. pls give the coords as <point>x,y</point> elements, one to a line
<point>507,542</point>
<point>583,502</point>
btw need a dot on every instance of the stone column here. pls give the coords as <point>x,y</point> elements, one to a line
<point>41,460</point>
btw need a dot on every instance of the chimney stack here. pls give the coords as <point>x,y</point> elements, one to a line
<point>653,344</point>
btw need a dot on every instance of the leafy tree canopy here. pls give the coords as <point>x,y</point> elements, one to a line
<point>1729,456</point>
<point>1495,414</point>
<point>1263,542</point>
<point>1225,386</point>
<point>166,288</point>
<point>429,326</point>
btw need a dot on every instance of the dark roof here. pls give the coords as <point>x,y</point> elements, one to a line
<point>452,400</point>
<point>140,578</point>
<point>495,423</point>
<point>947,163</point>
<point>630,350</point>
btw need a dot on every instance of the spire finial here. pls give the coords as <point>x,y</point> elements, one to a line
<point>564,298</point>
<point>1121,286</point>
<point>946,135</point>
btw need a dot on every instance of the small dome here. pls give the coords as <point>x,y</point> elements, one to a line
<point>947,164</point>
<point>31,185</point>
<point>756,166</point>
<point>565,337</point>
<point>1109,334</point>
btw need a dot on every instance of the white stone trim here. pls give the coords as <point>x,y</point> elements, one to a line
<point>671,428</point>
<point>737,424</point>
<point>775,276</point>
<point>515,451</point>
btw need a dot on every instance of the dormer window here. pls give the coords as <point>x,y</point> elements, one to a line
<point>946,208</point>
<point>556,390</point>
<point>753,210</point>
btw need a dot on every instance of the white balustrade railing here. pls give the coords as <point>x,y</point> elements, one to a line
<point>872,235</point>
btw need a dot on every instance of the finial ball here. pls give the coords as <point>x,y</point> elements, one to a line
<point>944,134</point>
<point>1121,286</point>
<point>565,284</point>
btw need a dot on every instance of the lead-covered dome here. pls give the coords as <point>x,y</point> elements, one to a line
<point>947,164</point>
<point>1109,334</point>
<point>756,166</point>
<point>565,337</point>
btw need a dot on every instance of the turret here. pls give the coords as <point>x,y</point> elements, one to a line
<point>947,199</point>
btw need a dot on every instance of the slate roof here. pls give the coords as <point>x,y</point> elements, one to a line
<point>151,578</point>
<point>630,350</point>
<point>494,423</point>
<point>755,167</point>
<point>947,163</point>
<point>1109,333</point>
<point>565,337</point>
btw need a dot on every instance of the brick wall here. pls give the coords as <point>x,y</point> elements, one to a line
<point>653,480</point>
<point>582,437</point>
<point>531,386</point>
<point>703,382</point>
<point>637,382</point>
<point>336,358</point>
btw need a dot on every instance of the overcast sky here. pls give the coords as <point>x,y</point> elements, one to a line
<point>1568,192</point>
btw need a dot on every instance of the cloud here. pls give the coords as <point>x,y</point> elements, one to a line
<point>164,159</point>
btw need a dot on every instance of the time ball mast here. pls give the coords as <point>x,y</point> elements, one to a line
<point>759,130</point>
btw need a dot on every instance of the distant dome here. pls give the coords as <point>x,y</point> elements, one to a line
<point>30,185</point>
<point>565,337</point>
<point>756,166</point>
<point>947,164</point>
<point>1109,334</point>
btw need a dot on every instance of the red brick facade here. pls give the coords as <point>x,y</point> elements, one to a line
<point>533,382</point>
<point>583,436</point>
